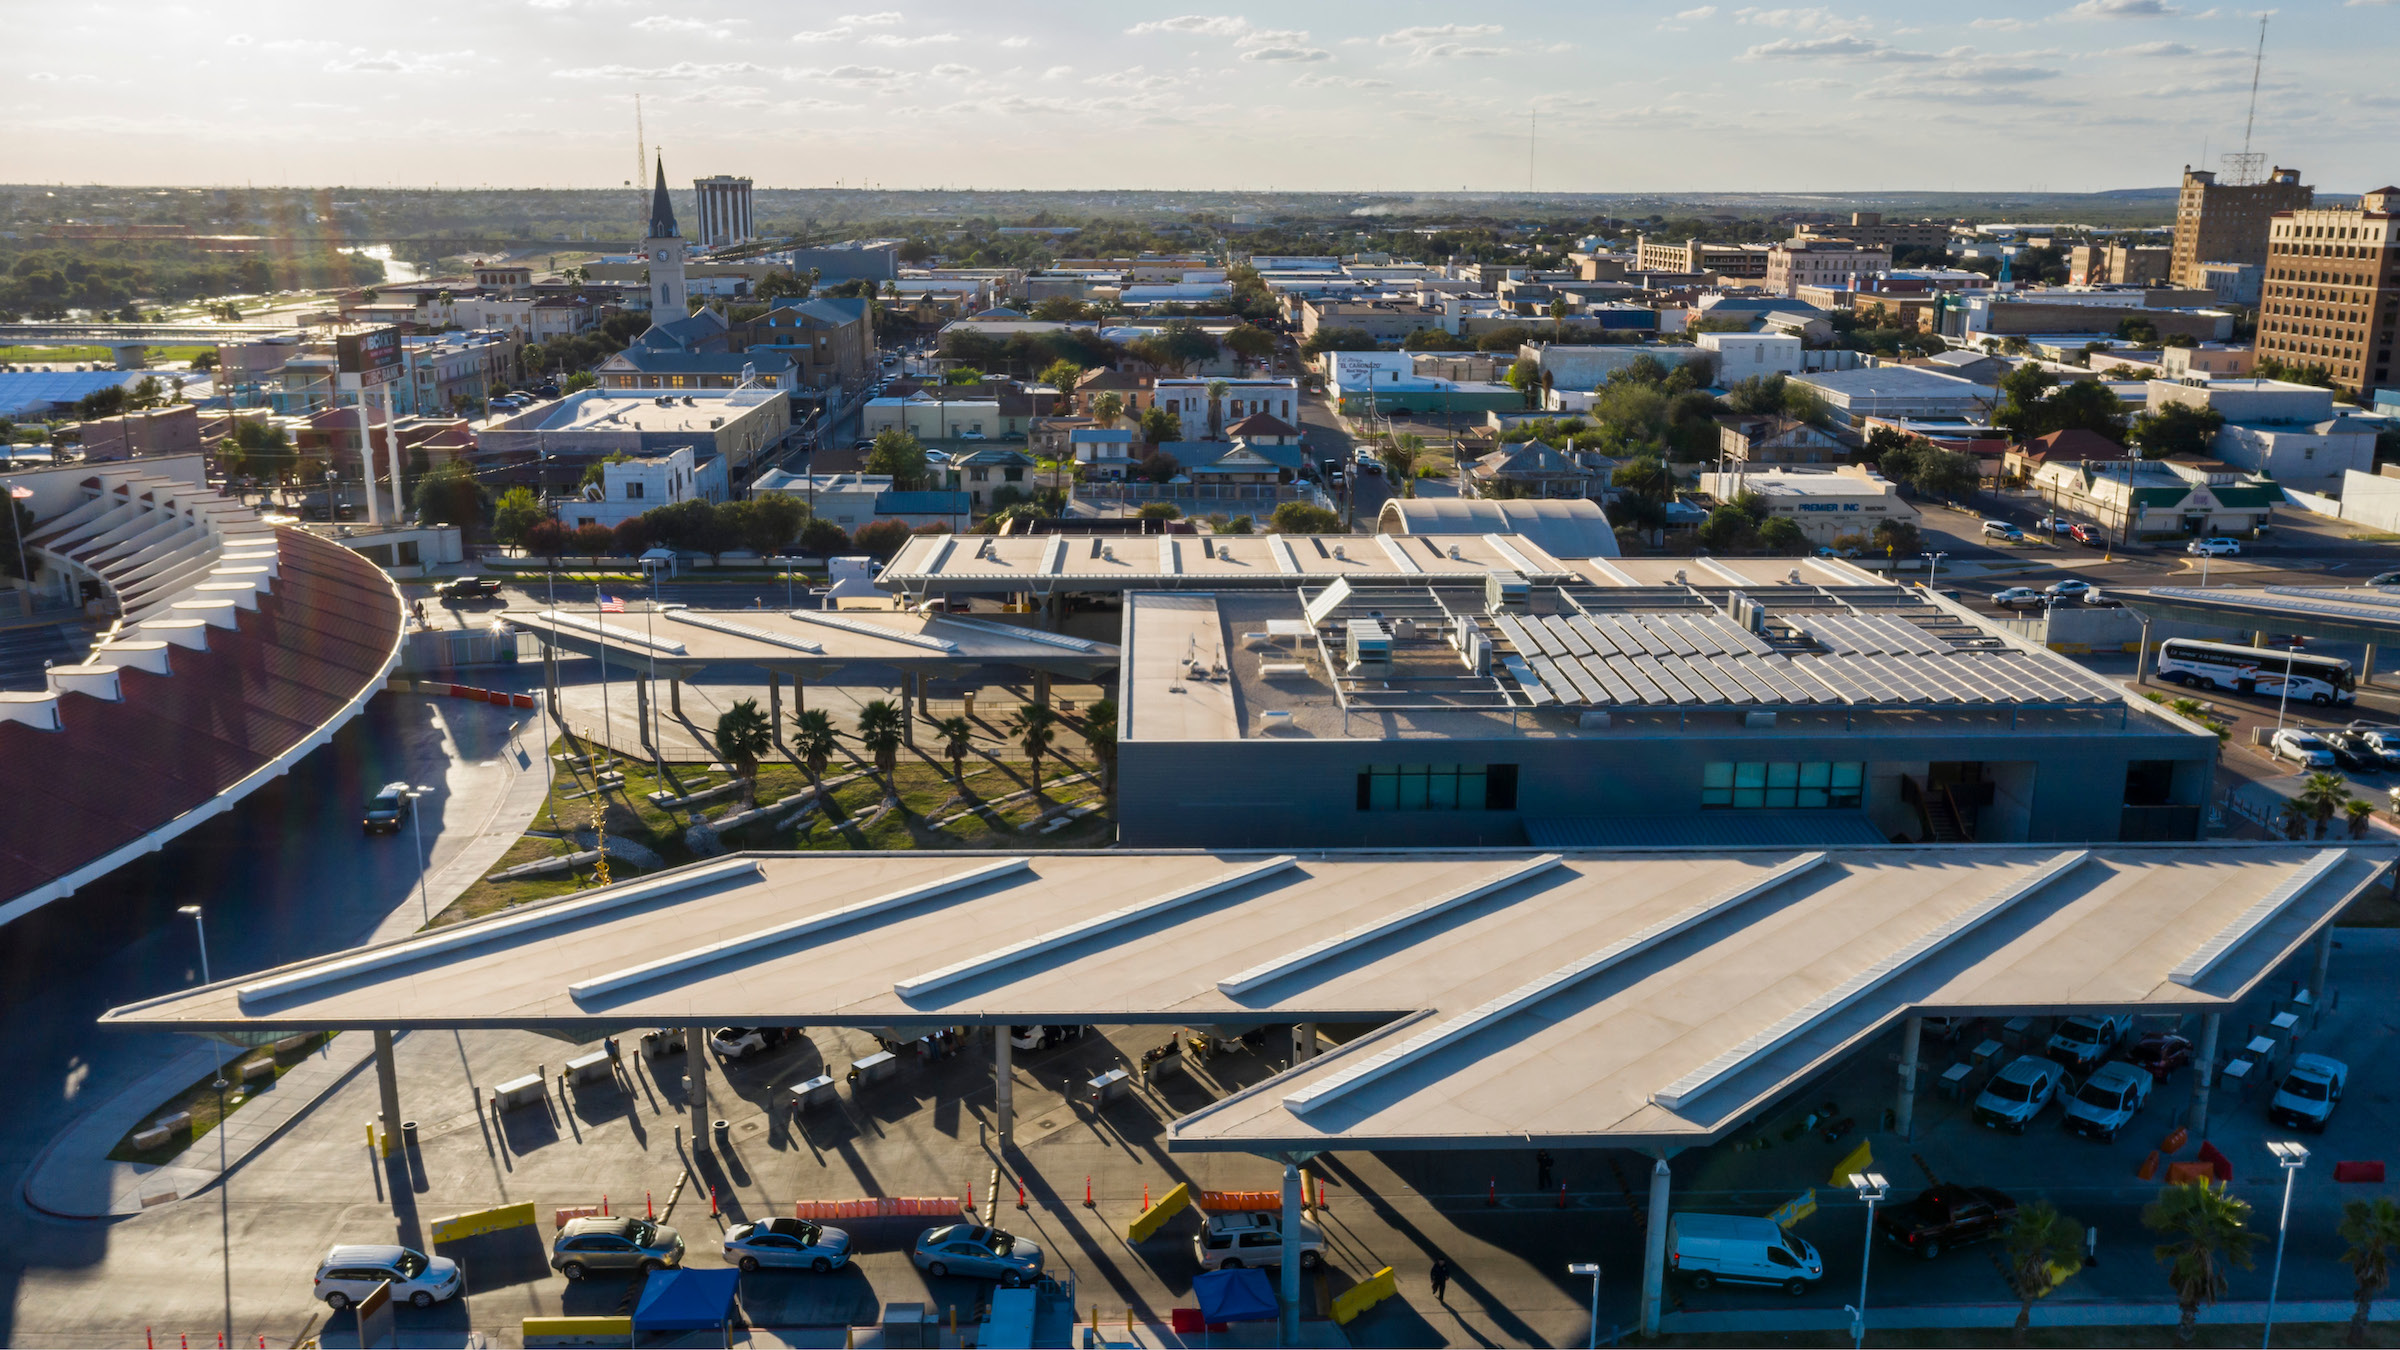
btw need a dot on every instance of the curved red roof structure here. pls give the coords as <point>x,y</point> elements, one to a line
<point>272,640</point>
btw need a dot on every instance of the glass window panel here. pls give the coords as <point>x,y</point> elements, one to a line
<point>1717,775</point>
<point>1441,791</point>
<point>1815,775</point>
<point>1412,788</point>
<point>1716,796</point>
<point>1814,797</point>
<point>1749,799</point>
<point>1471,790</point>
<point>1750,775</point>
<point>1849,775</point>
<point>1383,792</point>
<point>1783,774</point>
<point>1780,799</point>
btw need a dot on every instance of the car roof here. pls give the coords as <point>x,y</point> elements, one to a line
<point>391,788</point>
<point>2031,1064</point>
<point>2116,1071</point>
<point>2323,1066</point>
<point>597,1224</point>
<point>366,1253</point>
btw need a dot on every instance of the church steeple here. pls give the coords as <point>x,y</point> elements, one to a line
<point>662,210</point>
<point>663,251</point>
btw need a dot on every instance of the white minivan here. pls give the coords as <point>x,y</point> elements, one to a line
<point>1254,1239</point>
<point>1706,1248</point>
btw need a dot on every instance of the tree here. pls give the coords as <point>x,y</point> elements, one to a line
<point>743,736</point>
<point>2358,813</point>
<point>1188,345</point>
<point>768,522</point>
<point>1897,538</point>
<point>1036,729</point>
<point>2175,429</point>
<point>1525,376</point>
<point>958,739</point>
<point>450,495</point>
<point>813,743</point>
<point>580,381</point>
<point>783,286</point>
<point>2372,1228</point>
<point>1644,476</point>
<point>881,729</point>
<point>823,538</point>
<point>1728,529</point>
<point>1303,518</point>
<point>899,453</point>
<point>1061,309</point>
<point>1061,374</point>
<point>1217,390</point>
<point>595,473</point>
<point>2205,1237</point>
<point>1782,534</point>
<point>592,541</point>
<point>106,401</point>
<point>633,536</point>
<point>1399,458</point>
<point>1757,394</point>
<point>548,539</point>
<point>2040,1250</point>
<point>1158,466</point>
<point>1159,426</point>
<point>1945,473</point>
<point>1558,318</point>
<point>1158,511</point>
<point>1251,344</point>
<point>1107,407</point>
<point>518,512</point>
<point>1339,340</point>
<point>880,539</point>
<point>1100,733</point>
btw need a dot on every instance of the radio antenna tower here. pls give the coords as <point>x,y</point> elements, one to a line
<point>1533,139</point>
<point>2243,168</point>
<point>641,154</point>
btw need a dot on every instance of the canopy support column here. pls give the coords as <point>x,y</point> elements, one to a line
<point>1904,1110</point>
<point>2205,1075</point>
<point>1654,1248</point>
<point>695,1079</point>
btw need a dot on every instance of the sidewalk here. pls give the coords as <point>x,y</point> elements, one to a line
<point>2048,1313</point>
<point>75,1179</point>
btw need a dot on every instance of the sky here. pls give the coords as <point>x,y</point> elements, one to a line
<point>1563,96</point>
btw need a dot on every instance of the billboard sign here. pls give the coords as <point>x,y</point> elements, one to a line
<point>368,352</point>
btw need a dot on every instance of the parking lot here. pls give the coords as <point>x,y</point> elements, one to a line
<point>1507,1221</point>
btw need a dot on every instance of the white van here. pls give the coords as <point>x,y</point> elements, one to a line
<point>1706,1248</point>
<point>1254,1239</point>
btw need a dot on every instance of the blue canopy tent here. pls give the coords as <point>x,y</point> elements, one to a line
<point>686,1300</point>
<point>1238,1295</point>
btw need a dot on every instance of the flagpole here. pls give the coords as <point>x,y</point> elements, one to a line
<point>600,617</point>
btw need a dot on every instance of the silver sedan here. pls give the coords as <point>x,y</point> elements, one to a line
<point>787,1244</point>
<point>980,1253</point>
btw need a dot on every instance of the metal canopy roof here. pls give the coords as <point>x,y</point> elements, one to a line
<point>1043,564</point>
<point>1633,997</point>
<point>683,639</point>
<point>2336,613</point>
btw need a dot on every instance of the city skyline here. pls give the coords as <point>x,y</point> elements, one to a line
<point>2090,96</point>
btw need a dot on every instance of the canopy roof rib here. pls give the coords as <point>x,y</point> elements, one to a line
<point>1712,982</point>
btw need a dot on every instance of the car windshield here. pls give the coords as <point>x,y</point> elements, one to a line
<point>642,1233</point>
<point>410,1264</point>
<point>2093,1094</point>
<point>2081,1033</point>
<point>2010,1090</point>
<point>2308,742</point>
<point>808,1233</point>
<point>1001,1243</point>
<point>2306,1089</point>
<point>386,802</point>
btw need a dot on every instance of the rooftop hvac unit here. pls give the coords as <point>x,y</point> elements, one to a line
<point>1368,648</point>
<point>1506,592</point>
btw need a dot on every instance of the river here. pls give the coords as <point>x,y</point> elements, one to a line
<point>393,269</point>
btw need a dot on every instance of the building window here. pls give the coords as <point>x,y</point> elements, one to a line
<point>634,491</point>
<point>1781,785</point>
<point>1437,787</point>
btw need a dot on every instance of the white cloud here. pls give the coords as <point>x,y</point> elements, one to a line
<point>880,19</point>
<point>358,62</point>
<point>1015,42</point>
<point>856,74</point>
<point>1694,15</point>
<point>1837,47</point>
<point>822,35</point>
<point>1287,54</point>
<point>1210,25</point>
<point>951,70</point>
<point>1810,20</point>
<point>2001,25</point>
<point>668,23</point>
<point>1339,82</point>
<point>681,70</point>
<point>549,4</point>
<point>1058,72</point>
<point>896,40</point>
<point>1436,34</point>
<point>2124,9</point>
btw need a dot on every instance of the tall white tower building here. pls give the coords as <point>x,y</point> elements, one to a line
<point>724,211</point>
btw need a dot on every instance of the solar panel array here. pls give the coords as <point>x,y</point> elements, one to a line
<point>1692,660</point>
<point>1868,635</point>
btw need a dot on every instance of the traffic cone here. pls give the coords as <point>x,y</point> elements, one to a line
<point>1145,1197</point>
<point>649,1210</point>
<point>1020,1195</point>
<point>1562,1195</point>
<point>1491,1195</point>
<point>1087,1201</point>
<point>712,1202</point>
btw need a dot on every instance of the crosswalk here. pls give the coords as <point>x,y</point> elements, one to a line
<point>25,651</point>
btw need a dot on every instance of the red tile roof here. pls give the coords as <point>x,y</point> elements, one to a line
<point>119,771</point>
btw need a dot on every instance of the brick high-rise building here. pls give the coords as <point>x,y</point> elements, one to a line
<point>2331,295</point>
<point>2227,222</point>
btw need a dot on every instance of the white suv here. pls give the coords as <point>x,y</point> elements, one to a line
<point>349,1274</point>
<point>2306,747</point>
<point>2219,548</point>
<point>1254,1239</point>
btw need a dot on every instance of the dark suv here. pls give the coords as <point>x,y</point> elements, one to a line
<point>1946,1216</point>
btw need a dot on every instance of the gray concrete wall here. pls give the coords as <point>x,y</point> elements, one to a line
<point>1293,792</point>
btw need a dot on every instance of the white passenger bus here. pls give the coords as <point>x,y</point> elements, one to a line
<point>2320,680</point>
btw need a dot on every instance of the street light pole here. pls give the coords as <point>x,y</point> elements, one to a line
<point>2291,1157</point>
<point>1872,1188</point>
<point>2291,651</point>
<point>225,1182</point>
<point>1592,1269</point>
<point>416,825</point>
<point>1935,569</point>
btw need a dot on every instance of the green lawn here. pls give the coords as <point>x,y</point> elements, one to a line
<point>933,811</point>
<point>200,1098</point>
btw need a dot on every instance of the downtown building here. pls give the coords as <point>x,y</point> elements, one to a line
<point>2330,297</point>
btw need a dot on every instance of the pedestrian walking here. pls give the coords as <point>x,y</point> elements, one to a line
<point>1440,1276</point>
<point>1541,1168</point>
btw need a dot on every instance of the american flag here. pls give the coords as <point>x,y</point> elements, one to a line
<point>610,604</point>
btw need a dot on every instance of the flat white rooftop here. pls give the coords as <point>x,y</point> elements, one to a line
<point>1633,998</point>
<point>684,638</point>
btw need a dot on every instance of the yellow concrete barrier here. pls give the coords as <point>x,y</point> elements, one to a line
<point>1859,1160</point>
<point>576,1331</point>
<point>460,1226</point>
<point>1793,1211</point>
<point>1364,1295</point>
<point>1168,1206</point>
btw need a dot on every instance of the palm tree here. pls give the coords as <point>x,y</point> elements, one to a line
<point>881,728</point>
<point>742,737</point>
<point>1100,733</point>
<point>2359,813</point>
<point>2042,1250</point>
<point>2322,794</point>
<point>2372,1228</point>
<point>1107,407</point>
<point>1035,727</point>
<point>1558,317</point>
<point>958,737</point>
<point>1217,389</point>
<point>2293,818</point>
<point>2205,1238</point>
<point>814,741</point>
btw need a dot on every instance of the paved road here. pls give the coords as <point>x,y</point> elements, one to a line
<point>285,874</point>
